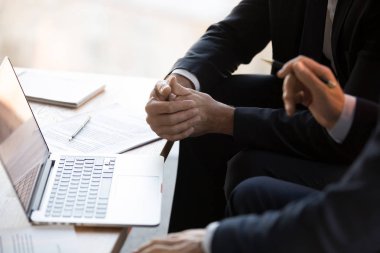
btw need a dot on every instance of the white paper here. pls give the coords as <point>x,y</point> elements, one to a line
<point>113,129</point>
<point>41,239</point>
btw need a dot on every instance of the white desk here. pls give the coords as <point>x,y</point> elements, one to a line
<point>128,91</point>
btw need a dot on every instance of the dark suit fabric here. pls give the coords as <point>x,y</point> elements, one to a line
<point>345,217</point>
<point>258,163</point>
<point>260,194</point>
<point>294,27</point>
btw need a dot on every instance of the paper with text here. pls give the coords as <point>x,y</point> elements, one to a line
<point>41,239</point>
<point>113,129</point>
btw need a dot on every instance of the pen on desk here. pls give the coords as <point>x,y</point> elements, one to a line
<point>20,73</point>
<point>279,65</point>
<point>80,128</point>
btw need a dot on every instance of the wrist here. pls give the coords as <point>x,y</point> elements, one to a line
<point>224,119</point>
<point>343,125</point>
<point>335,114</point>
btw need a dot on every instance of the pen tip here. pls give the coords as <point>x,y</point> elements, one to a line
<point>267,60</point>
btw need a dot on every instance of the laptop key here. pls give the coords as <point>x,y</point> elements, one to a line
<point>67,214</point>
<point>105,187</point>
<point>100,215</point>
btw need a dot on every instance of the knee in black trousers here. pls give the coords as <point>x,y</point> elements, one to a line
<point>259,194</point>
<point>253,163</point>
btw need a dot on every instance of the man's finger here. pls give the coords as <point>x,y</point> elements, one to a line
<point>172,119</point>
<point>290,89</point>
<point>319,70</point>
<point>179,128</point>
<point>162,90</point>
<point>153,247</point>
<point>167,244</point>
<point>177,88</point>
<point>288,67</point>
<point>308,78</point>
<point>155,107</point>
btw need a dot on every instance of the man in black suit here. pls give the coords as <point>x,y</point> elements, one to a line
<point>257,126</point>
<point>344,217</point>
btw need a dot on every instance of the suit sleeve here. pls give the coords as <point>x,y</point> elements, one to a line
<point>229,43</point>
<point>301,135</point>
<point>343,218</point>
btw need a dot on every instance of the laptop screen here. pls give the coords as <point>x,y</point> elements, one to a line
<point>22,148</point>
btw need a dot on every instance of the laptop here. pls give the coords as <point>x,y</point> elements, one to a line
<point>93,189</point>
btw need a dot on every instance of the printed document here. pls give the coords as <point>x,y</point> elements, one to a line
<point>41,239</point>
<point>114,129</point>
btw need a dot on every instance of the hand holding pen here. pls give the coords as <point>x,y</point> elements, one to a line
<point>313,85</point>
<point>279,65</point>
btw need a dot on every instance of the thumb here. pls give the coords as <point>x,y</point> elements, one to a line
<point>177,88</point>
<point>161,90</point>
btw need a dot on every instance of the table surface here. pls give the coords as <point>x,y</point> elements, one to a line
<point>132,92</point>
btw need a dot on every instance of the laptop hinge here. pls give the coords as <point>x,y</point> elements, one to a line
<point>40,186</point>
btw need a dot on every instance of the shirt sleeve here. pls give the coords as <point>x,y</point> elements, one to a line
<point>207,240</point>
<point>188,75</point>
<point>342,127</point>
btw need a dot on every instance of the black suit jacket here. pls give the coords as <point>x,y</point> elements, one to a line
<point>295,27</point>
<point>343,218</point>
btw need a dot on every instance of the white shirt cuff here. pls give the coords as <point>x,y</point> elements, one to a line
<point>207,240</point>
<point>188,75</point>
<point>342,127</point>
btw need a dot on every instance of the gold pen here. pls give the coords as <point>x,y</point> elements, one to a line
<point>80,128</point>
<point>279,65</point>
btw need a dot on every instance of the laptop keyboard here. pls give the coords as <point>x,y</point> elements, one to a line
<point>81,187</point>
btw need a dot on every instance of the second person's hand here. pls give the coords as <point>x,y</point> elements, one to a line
<point>303,85</point>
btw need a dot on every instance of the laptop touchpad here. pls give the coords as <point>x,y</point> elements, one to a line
<point>138,198</point>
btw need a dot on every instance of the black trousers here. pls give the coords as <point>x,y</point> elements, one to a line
<point>256,163</point>
<point>199,196</point>
<point>260,194</point>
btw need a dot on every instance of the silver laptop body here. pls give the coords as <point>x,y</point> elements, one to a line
<point>95,189</point>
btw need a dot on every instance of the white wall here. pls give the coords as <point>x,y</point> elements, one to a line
<point>131,37</point>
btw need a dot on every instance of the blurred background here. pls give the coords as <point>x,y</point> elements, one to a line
<point>127,37</point>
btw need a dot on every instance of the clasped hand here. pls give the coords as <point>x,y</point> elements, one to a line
<point>175,112</point>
